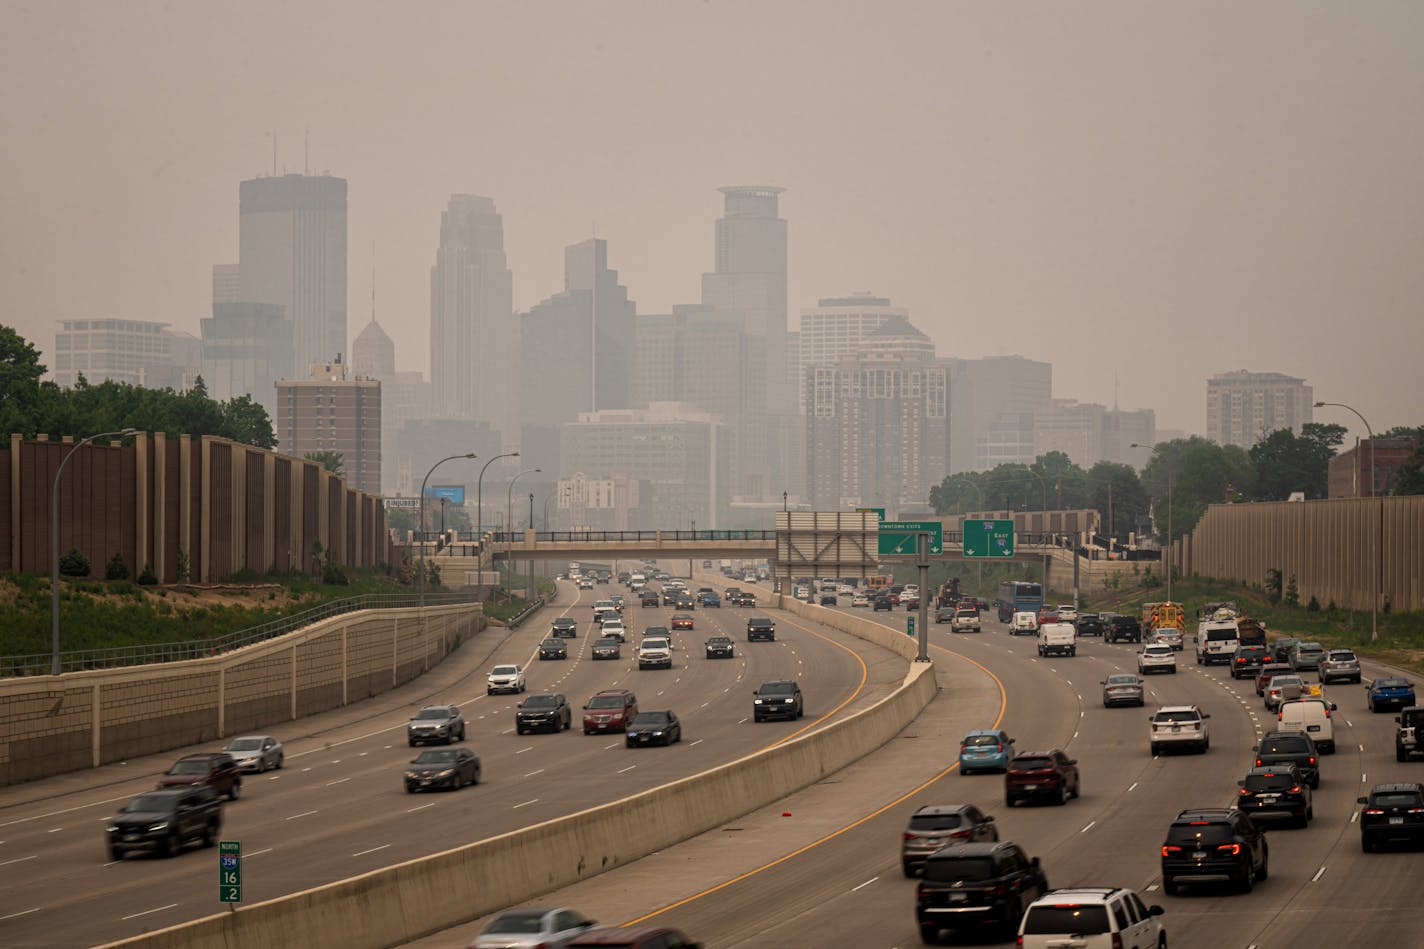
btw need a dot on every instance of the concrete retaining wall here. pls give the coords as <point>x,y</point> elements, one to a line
<point>410,900</point>
<point>53,724</point>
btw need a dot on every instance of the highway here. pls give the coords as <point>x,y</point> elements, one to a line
<point>821,868</point>
<point>338,808</point>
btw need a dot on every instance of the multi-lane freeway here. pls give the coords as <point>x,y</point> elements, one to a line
<point>822,867</point>
<point>338,807</point>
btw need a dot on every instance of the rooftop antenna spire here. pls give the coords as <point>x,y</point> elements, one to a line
<point>1114,390</point>
<point>373,281</point>
<point>306,151</point>
<point>274,154</point>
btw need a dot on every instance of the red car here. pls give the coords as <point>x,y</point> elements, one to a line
<point>217,770</point>
<point>1050,775</point>
<point>681,621</point>
<point>609,711</point>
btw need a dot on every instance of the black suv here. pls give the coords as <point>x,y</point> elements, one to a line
<point>1123,629</point>
<point>761,628</point>
<point>163,821</point>
<point>1247,661</point>
<point>1293,748</point>
<point>1213,844</point>
<point>1392,812</point>
<point>552,648</point>
<point>1276,791</point>
<point>648,598</point>
<point>565,627</point>
<point>974,884</point>
<point>777,699</point>
<point>719,647</point>
<point>543,710</point>
<point>1089,624</point>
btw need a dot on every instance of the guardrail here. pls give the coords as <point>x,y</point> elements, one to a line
<point>142,654</point>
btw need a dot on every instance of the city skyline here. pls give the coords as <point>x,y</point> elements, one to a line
<point>1250,191</point>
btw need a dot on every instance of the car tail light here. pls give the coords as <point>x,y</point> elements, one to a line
<point>1295,790</point>
<point>1117,941</point>
<point>920,891</point>
<point>1416,810</point>
<point>998,747</point>
<point>1312,759</point>
<point>909,836</point>
<point>1243,791</point>
<point>1169,849</point>
<point>1233,849</point>
<point>1374,811</point>
<point>998,889</point>
<point>962,834</point>
<point>1258,762</point>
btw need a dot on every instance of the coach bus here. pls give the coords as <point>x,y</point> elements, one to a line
<point>1018,596</point>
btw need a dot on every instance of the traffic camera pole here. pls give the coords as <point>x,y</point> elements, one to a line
<point>922,560</point>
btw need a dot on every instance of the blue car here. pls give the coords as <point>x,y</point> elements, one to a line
<point>1389,692</point>
<point>985,749</point>
<point>711,599</point>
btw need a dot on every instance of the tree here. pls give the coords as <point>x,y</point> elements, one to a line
<point>330,460</point>
<point>1119,482</point>
<point>1199,472</point>
<point>246,421</point>
<point>1286,462</point>
<point>20,372</point>
<point>1409,478</point>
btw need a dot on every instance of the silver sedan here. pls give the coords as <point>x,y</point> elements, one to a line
<point>527,928</point>
<point>1124,688</point>
<point>256,752</point>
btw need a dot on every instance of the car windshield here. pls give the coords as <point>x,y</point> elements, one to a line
<point>1395,799</point>
<point>968,869</point>
<point>657,632</point>
<point>606,701</point>
<point>1203,833</point>
<point>1031,764</point>
<point>1060,918</point>
<point>523,923</point>
<point>979,741</point>
<point>189,767</point>
<point>1413,718</point>
<point>936,821</point>
<point>1309,647</point>
<point>1122,680</point>
<point>149,802</point>
<point>1279,681</point>
<point>432,714</point>
<point>541,701</point>
<point>654,643</point>
<point>778,688</point>
<point>606,641</point>
<point>1269,782</point>
<point>245,744</point>
<point>1342,655</point>
<point>1283,746</point>
<point>1220,635</point>
<point>1394,683</point>
<point>435,757</point>
<point>718,641</point>
<point>553,644</point>
<point>505,670</point>
<point>1157,651</point>
<point>651,719</point>
<point>1178,716</point>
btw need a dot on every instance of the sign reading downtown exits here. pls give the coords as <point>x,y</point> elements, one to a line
<point>230,871</point>
<point>988,538</point>
<point>898,537</point>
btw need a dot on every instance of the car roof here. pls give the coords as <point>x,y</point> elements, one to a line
<point>982,731</point>
<point>1397,787</point>
<point>1273,768</point>
<point>204,756</point>
<point>612,692</point>
<point>1179,708</point>
<point>1204,813</point>
<point>935,810</point>
<point>1081,894</point>
<point>972,849</point>
<point>1047,753</point>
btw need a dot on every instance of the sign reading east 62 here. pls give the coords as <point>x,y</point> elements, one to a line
<point>987,538</point>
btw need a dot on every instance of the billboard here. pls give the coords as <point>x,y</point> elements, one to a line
<point>454,493</point>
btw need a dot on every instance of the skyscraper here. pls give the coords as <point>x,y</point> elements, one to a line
<point>333,410</point>
<point>292,252</point>
<point>474,342</point>
<point>994,400</point>
<point>139,352</point>
<point>247,347</point>
<point>835,326</point>
<point>1242,407</point>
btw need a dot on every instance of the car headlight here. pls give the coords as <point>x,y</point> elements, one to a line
<point>790,701</point>
<point>412,774</point>
<point>656,734</point>
<point>446,773</point>
<point>757,702</point>
<point>113,828</point>
<point>154,828</point>
<point>632,734</point>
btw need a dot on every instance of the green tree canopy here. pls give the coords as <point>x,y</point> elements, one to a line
<point>1194,472</point>
<point>330,460</point>
<point>1286,462</point>
<point>1409,479</point>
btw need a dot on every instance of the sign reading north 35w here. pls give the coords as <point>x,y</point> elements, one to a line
<point>230,871</point>
<point>985,538</point>
<point>898,537</point>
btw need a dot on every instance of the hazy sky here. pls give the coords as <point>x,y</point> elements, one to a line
<point>1151,192</point>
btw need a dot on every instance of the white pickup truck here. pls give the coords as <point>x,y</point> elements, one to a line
<point>654,653</point>
<point>1057,639</point>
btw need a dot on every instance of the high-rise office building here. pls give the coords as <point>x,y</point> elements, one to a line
<point>292,252</point>
<point>139,352</point>
<point>878,423</point>
<point>247,347</point>
<point>333,410</point>
<point>993,401</point>
<point>474,339</point>
<point>835,326</point>
<point>1242,407</point>
<point>227,283</point>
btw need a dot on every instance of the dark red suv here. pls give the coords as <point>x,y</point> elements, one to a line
<point>1048,775</point>
<point>609,711</point>
<point>636,937</point>
<point>217,770</point>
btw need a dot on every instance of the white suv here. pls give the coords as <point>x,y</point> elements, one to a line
<point>505,679</point>
<point>1091,917</point>
<point>1179,726</point>
<point>1157,657</point>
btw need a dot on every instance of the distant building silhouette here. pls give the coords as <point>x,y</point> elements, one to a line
<point>247,347</point>
<point>993,401</point>
<point>139,352</point>
<point>227,283</point>
<point>834,327</point>
<point>1242,407</point>
<point>1089,433</point>
<point>333,410</point>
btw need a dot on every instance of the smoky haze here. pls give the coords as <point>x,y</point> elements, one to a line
<point>1141,194</point>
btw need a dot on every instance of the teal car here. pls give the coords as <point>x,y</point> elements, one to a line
<point>985,749</point>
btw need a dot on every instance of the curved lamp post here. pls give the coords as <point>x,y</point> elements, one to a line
<point>54,541</point>
<point>423,483</point>
<point>1379,550</point>
<point>509,502</point>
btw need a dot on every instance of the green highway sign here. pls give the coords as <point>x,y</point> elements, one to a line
<point>230,871</point>
<point>879,512</point>
<point>984,538</point>
<point>909,626</point>
<point>898,537</point>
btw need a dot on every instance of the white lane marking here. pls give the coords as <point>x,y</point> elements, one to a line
<point>1350,723</point>
<point>1132,786</point>
<point>1091,825</point>
<point>695,743</point>
<point>362,853</point>
<point>522,750</point>
<point>305,770</point>
<point>1318,874</point>
<point>54,830</point>
<point>274,777</point>
<point>614,745</point>
<point>257,852</point>
<point>1363,779</point>
<point>337,781</point>
<point>33,856</point>
<point>629,768</point>
<point>147,911</point>
<point>742,722</point>
<point>67,810</point>
<point>412,810</point>
<point>1354,816</point>
<point>532,773</point>
<point>1362,747</point>
<point>865,884</point>
<point>1150,887</point>
<point>302,814</point>
<point>21,913</point>
<point>525,804</point>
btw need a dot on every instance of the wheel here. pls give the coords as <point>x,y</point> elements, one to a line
<point>587,732</point>
<point>1077,789</point>
<point>519,729</point>
<point>458,783</point>
<point>1156,749</point>
<point>409,789</point>
<point>1366,844</point>
<point>568,723</point>
<point>1315,782</point>
<point>1170,886</point>
<point>1010,800</point>
<point>115,853</point>
<point>479,773</point>
<point>172,844</point>
<point>1063,794</point>
<point>1265,864</point>
<point>234,791</point>
<point>281,760</point>
<point>929,934</point>
<point>630,744</point>
<point>1248,878</point>
<point>462,732</point>
<point>909,870</point>
<point>1400,754</point>
<point>1161,941</point>
<point>261,765</point>
<point>411,742</point>
<point>1206,745</point>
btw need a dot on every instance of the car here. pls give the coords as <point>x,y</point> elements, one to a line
<point>944,614</point>
<point>1388,692</point>
<point>720,647</point>
<point>1408,733</point>
<point>451,768</point>
<point>1393,812</point>
<point>1269,670</point>
<point>1168,636</point>
<point>256,752</point>
<point>1277,748</point>
<point>1123,629</point>
<point>1092,917</point>
<point>585,583</point>
<point>607,647</point>
<point>648,598</point>
<point>1067,614</point>
<point>603,608</point>
<point>860,599</point>
<point>827,599</point>
<point>1089,624</point>
<point>1023,623</point>
<point>533,928</point>
<point>670,595</point>
<point>942,825</point>
<point>1206,845</point>
<point>635,937</point>
<point>164,821</point>
<point>1276,791</point>
<point>552,648</point>
<point>804,593</point>
<point>609,711</point>
<point>506,677</point>
<point>1247,661</point>
<point>966,619</point>
<point>685,603</point>
<point>909,601</point>
<point>882,603</point>
<point>681,621</point>
<point>761,629</point>
<point>1041,774</point>
<point>1124,688</point>
<point>617,599</point>
<point>1281,649</point>
<point>613,626</point>
<point>659,632</point>
<point>710,600</point>
<point>1312,716</point>
<point>442,723</point>
<point>564,628</point>
<point>543,710</point>
<point>985,749</point>
<point>217,770</point>
<point>1179,726</point>
<point>779,698</point>
<point>654,652</point>
<point>1157,657</point>
<point>1282,688</point>
<point>1046,614</point>
<point>659,727</point>
<point>1339,665</point>
<point>976,885</point>
<point>1307,656</point>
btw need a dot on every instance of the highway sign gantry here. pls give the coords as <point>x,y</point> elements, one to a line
<point>988,538</point>
<point>898,537</point>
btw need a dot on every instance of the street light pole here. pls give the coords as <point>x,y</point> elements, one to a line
<point>54,540</point>
<point>509,519</point>
<point>1379,529</point>
<point>423,483</point>
<point>480,495</point>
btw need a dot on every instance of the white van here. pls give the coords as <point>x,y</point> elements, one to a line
<point>1057,639</point>
<point>1311,716</point>
<point>1217,641</point>
<point>1023,622</point>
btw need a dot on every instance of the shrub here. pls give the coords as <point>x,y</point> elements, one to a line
<point>1273,586</point>
<point>147,577</point>
<point>184,565</point>
<point>74,564</point>
<point>1292,597</point>
<point>1313,606</point>
<point>116,569</point>
<point>332,573</point>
